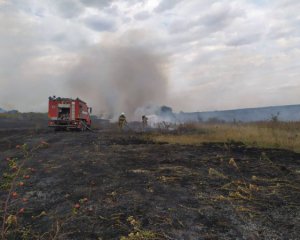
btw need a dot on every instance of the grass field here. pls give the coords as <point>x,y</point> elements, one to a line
<point>263,134</point>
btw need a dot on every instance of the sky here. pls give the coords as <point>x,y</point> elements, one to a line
<point>192,55</point>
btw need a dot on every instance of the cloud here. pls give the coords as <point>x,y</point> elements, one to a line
<point>234,50</point>
<point>220,15</point>
<point>244,40</point>
<point>142,15</point>
<point>68,8</point>
<point>165,5</point>
<point>30,67</point>
<point>100,24</point>
<point>96,3</point>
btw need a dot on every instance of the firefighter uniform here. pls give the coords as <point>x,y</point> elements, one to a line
<point>144,121</point>
<point>122,121</point>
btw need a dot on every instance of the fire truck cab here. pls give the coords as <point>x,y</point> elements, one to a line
<point>67,113</point>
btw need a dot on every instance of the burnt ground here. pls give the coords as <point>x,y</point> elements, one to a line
<point>124,184</point>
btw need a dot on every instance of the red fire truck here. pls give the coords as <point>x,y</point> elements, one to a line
<point>67,113</point>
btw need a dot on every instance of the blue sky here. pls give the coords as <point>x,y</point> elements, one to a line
<point>211,55</point>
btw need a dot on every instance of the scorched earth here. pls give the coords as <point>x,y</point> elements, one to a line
<point>112,185</point>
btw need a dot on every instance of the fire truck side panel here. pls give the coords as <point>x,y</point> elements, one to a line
<point>73,111</point>
<point>83,111</point>
<point>53,110</point>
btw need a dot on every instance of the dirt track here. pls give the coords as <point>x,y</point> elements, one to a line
<point>217,191</point>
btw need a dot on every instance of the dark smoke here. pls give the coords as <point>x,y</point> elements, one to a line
<point>115,79</point>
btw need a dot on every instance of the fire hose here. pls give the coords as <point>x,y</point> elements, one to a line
<point>86,126</point>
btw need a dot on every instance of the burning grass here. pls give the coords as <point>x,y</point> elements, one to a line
<point>264,134</point>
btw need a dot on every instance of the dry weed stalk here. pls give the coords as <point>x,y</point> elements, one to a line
<point>8,219</point>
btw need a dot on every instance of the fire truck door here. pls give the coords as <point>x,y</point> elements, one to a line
<point>73,111</point>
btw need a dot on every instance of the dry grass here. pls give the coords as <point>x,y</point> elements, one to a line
<point>262,134</point>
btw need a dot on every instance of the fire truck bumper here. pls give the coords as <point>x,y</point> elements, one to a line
<point>63,124</point>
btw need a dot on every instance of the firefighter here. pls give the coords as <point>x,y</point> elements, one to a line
<point>144,121</point>
<point>122,121</point>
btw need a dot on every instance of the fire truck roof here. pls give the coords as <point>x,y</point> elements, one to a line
<point>65,99</point>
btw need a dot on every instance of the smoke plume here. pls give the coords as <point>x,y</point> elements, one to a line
<point>114,78</point>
